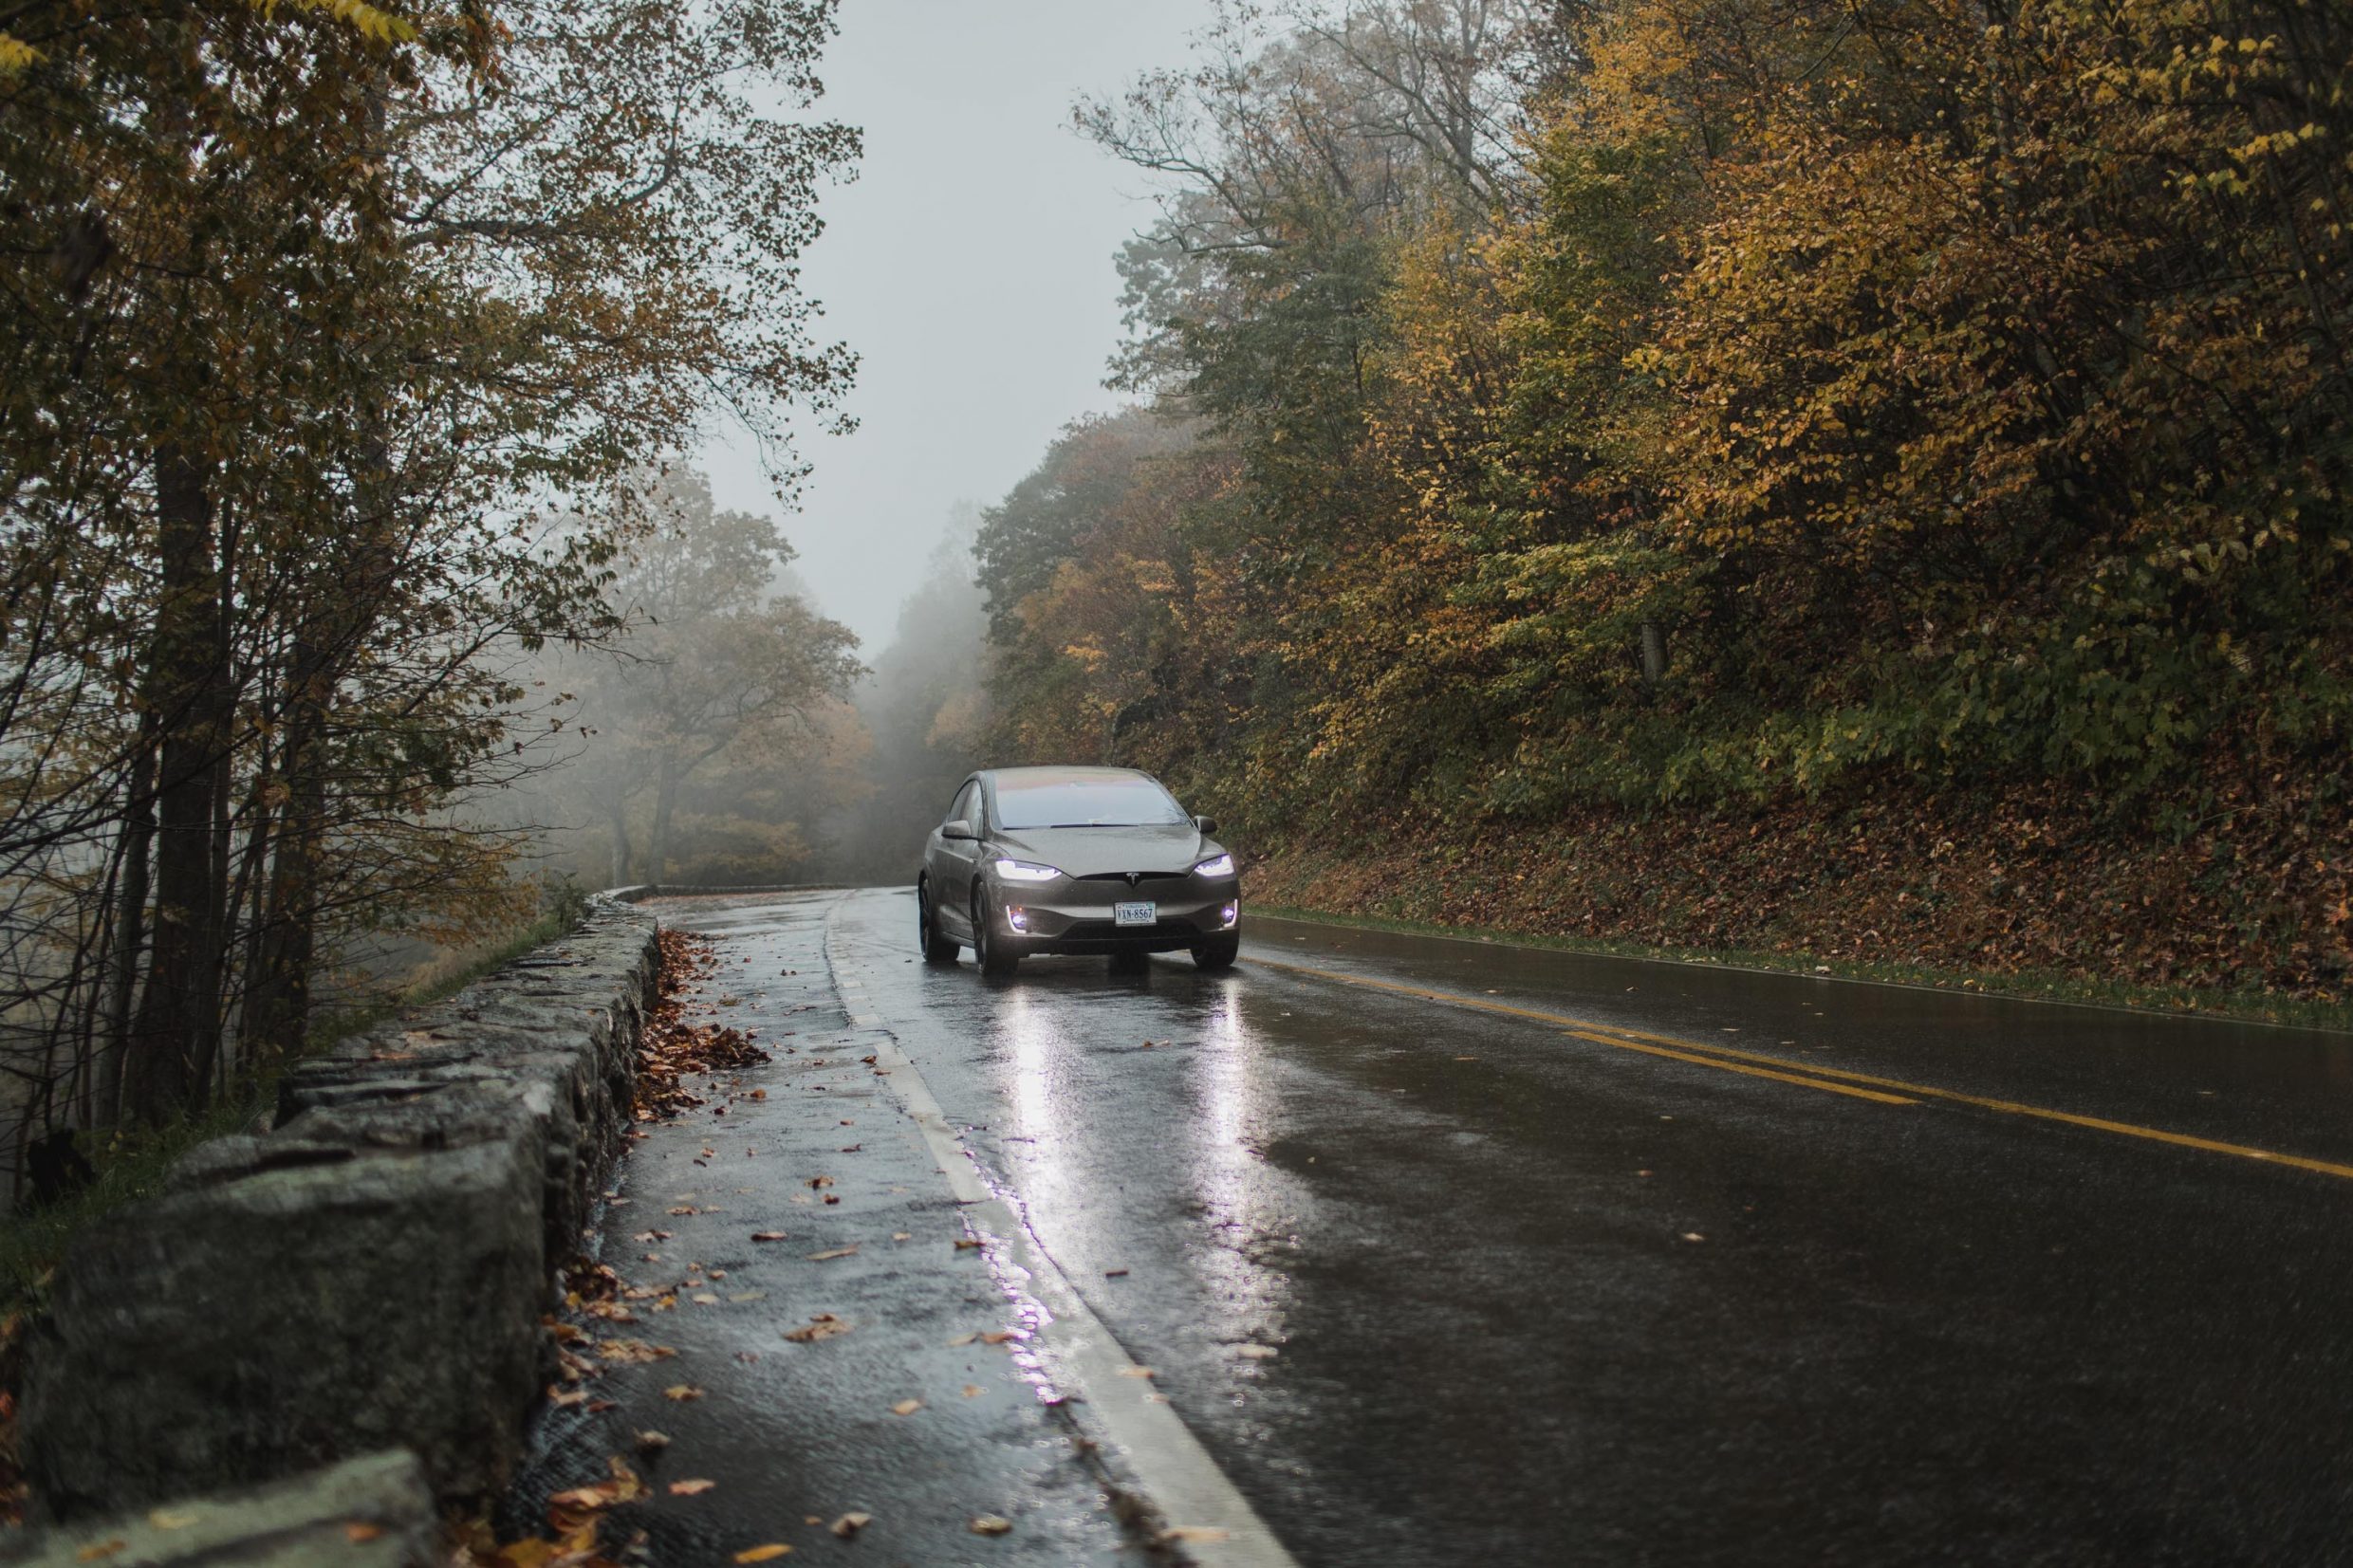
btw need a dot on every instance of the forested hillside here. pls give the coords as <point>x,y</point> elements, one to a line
<point>1735,472</point>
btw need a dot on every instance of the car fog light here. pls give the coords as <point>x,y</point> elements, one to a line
<point>1231,913</point>
<point>1017,918</point>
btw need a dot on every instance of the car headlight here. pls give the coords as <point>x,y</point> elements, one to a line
<point>1216,865</point>
<point>1022,871</point>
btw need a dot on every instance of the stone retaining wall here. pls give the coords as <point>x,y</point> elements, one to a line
<point>370,1272</point>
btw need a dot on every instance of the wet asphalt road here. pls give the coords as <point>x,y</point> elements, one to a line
<point>1609,1262</point>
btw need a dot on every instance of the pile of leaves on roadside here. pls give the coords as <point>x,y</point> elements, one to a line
<point>683,1037</point>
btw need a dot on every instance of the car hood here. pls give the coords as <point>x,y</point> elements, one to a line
<point>1093,851</point>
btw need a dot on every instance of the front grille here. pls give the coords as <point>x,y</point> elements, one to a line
<point>1143,880</point>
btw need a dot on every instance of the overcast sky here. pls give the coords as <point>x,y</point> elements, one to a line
<point>969,265</point>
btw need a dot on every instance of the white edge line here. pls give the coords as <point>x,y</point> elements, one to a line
<point>1177,1475</point>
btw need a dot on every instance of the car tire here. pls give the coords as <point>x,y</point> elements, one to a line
<point>936,948</point>
<point>1218,952</point>
<point>997,957</point>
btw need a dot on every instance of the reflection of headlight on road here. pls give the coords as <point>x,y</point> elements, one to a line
<point>1022,871</point>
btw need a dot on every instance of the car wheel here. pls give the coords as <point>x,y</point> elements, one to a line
<point>997,957</point>
<point>1218,952</point>
<point>935,947</point>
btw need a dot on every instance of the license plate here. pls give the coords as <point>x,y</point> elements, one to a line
<point>1146,913</point>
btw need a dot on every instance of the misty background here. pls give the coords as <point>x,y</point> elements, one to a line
<point>970,265</point>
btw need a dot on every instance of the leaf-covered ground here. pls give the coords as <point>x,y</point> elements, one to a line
<point>2252,902</point>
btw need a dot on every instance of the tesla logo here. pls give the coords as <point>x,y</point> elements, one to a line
<point>1135,879</point>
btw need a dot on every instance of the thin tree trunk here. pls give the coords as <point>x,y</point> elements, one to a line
<point>620,846</point>
<point>657,845</point>
<point>178,1018</point>
<point>138,838</point>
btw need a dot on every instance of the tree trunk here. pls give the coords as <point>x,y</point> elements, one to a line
<point>138,839</point>
<point>188,690</point>
<point>620,846</point>
<point>278,1007</point>
<point>1654,653</point>
<point>658,844</point>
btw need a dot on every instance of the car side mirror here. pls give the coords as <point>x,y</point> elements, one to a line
<point>958,828</point>
<point>1207,824</point>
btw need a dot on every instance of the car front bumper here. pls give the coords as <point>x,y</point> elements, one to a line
<point>1078,914</point>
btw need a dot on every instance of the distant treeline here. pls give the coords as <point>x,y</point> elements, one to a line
<point>1714,403</point>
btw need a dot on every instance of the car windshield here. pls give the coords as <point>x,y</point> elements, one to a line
<point>1086,802</point>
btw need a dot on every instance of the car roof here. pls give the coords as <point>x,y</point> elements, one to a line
<point>1060,775</point>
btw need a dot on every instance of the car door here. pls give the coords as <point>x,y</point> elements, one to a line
<point>956,859</point>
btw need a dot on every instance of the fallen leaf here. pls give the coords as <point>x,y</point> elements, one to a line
<point>768,1553</point>
<point>990,1524</point>
<point>903,1236</point>
<point>966,1243</point>
<point>821,1181</point>
<point>359,1530</point>
<point>1137,1371</point>
<point>704,1298</point>
<point>747,1295</point>
<point>650,1441</point>
<point>633,1352</point>
<point>848,1252</point>
<point>97,1551</point>
<point>849,1525</point>
<point>998,1336</point>
<point>972,1390</point>
<point>686,1208</point>
<point>823,1326</point>
<point>1193,1531</point>
<point>528,1554</point>
<point>1693,1236</point>
<point>1258,1352</point>
<point>170,1519</point>
<point>690,1488</point>
<point>907,1407</point>
<point>682,1393</point>
<point>963,1339</point>
<point>767,1235</point>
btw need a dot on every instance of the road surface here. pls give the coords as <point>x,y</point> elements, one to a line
<point>1441,1252</point>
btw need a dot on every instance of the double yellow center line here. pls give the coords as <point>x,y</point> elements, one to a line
<point>1884,1090</point>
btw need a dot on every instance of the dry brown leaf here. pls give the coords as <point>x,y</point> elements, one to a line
<point>850,1523</point>
<point>998,1336</point>
<point>704,1298</point>
<point>972,1390</point>
<point>823,1326</point>
<point>1137,1371</point>
<point>768,1553</point>
<point>633,1352</point>
<point>990,1524</point>
<point>690,1488</point>
<point>966,1241</point>
<point>849,1251</point>
<point>682,1393</point>
<point>901,1236</point>
<point>97,1551</point>
<point>821,1181</point>
<point>1258,1352</point>
<point>359,1530</point>
<point>650,1441</point>
<point>907,1407</point>
<point>767,1235</point>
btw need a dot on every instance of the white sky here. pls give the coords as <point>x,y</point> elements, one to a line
<point>969,265</point>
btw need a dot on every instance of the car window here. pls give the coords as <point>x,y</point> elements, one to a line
<point>967,806</point>
<point>1084,801</point>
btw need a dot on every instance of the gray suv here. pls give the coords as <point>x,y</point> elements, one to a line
<point>1074,860</point>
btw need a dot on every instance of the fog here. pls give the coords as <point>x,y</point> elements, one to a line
<point>970,267</point>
